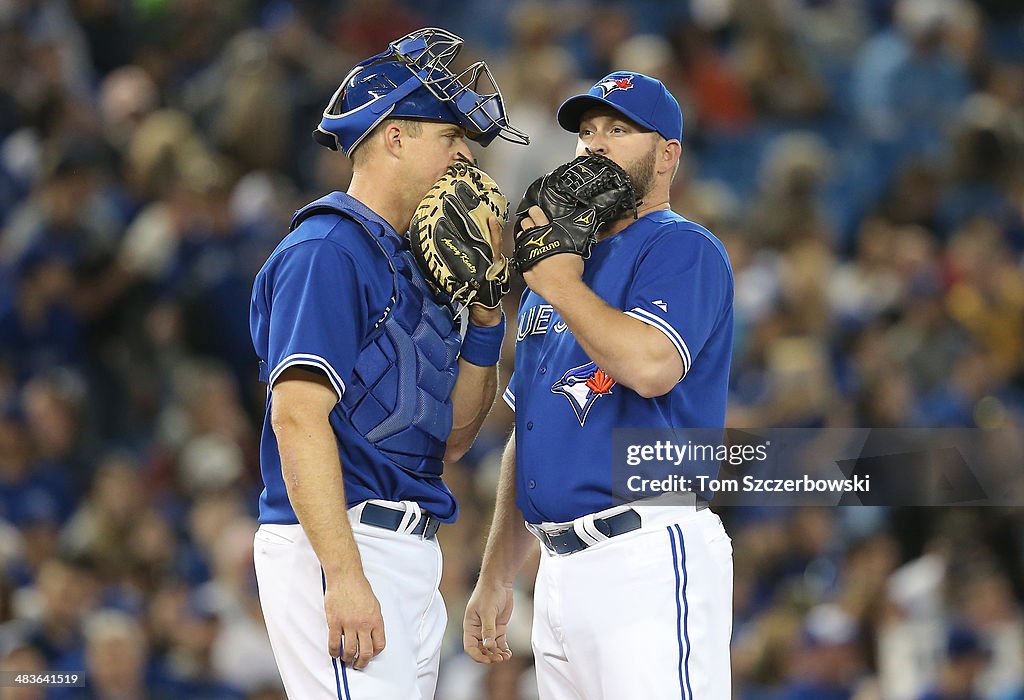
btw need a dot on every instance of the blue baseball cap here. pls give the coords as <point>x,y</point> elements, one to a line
<point>413,78</point>
<point>641,98</point>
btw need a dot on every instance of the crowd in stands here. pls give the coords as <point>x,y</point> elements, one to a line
<point>862,161</point>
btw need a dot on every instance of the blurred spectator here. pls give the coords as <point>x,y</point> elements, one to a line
<point>907,84</point>
<point>780,79</point>
<point>68,214</point>
<point>102,528</point>
<point>718,99</point>
<point>188,664</point>
<point>249,120</point>
<point>964,661</point>
<point>827,665</point>
<point>26,494</point>
<point>126,97</point>
<point>790,206</point>
<point>116,656</point>
<point>57,417</point>
<point>22,659</point>
<point>606,28</point>
<point>49,614</point>
<point>40,329</point>
<point>365,27</point>
<point>240,655</point>
<point>993,615</point>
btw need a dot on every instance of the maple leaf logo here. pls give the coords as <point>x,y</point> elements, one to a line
<point>600,383</point>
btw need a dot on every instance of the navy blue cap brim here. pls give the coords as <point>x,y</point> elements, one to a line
<point>571,112</point>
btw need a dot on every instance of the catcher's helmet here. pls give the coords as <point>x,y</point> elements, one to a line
<point>413,79</point>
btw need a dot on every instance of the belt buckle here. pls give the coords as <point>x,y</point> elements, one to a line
<point>428,522</point>
<point>549,544</point>
<point>546,538</point>
<point>549,537</point>
<point>549,540</point>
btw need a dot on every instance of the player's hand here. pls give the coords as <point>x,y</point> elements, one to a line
<point>355,626</point>
<point>545,277</point>
<point>486,622</point>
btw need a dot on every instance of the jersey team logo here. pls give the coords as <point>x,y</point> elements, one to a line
<point>583,386</point>
<point>612,84</point>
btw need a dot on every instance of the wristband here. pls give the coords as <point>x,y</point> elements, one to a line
<point>482,344</point>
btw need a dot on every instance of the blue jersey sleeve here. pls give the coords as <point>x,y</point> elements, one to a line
<point>682,286</point>
<point>318,300</point>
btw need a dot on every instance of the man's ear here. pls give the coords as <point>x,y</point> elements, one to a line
<point>392,138</point>
<point>671,150</point>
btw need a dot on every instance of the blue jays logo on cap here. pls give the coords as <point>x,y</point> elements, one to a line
<point>583,386</point>
<point>612,84</point>
<point>640,98</point>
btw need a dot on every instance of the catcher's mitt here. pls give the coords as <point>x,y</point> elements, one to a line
<point>578,198</point>
<point>451,241</point>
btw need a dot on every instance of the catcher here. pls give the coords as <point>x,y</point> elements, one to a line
<point>372,381</point>
<point>627,323</point>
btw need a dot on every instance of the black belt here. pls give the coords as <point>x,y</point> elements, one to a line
<point>568,542</point>
<point>391,519</point>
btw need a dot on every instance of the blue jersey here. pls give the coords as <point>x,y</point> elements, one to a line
<point>665,271</point>
<point>319,302</point>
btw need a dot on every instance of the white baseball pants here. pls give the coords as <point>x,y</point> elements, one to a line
<point>403,570</point>
<point>646,614</point>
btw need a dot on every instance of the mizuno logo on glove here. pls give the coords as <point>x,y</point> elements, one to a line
<point>539,240</point>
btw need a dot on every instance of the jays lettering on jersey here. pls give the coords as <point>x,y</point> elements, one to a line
<point>327,286</point>
<point>665,271</point>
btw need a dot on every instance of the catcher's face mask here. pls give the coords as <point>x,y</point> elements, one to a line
<point>413,78</point>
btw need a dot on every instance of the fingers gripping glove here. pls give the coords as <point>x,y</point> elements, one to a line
<point>451,241</point>
<point>578,198</point>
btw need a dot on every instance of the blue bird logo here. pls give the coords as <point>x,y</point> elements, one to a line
<point>583,386</point>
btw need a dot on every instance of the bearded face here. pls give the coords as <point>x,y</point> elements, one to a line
<point>642,172</point>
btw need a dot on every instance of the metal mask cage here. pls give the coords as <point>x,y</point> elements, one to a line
<point>429,53</point>
<point>430,49</point>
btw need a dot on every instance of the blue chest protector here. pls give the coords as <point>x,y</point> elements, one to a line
<point>399,395</point>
